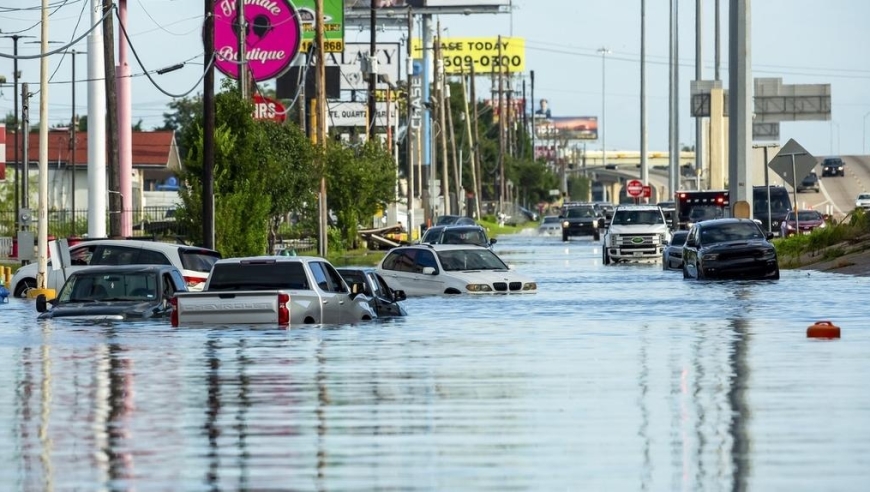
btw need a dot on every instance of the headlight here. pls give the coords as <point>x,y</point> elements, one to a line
<point>789,227</point>
<point>710,257</point>
<point>478,288</point>
<point>565,224</point>
<point>769,254</point>
<point>530,286</point>
<point>822,225</point>
<point>656,239</point>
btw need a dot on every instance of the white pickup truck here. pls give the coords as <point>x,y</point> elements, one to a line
<point>278,290</point>
<point>635,233</point>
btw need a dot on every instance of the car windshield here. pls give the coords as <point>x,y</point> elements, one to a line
<point>741,231</point>
<point>631,217</point>
<point>579,212</point>
<point>805,216</point>
<point>706,212</point>
<point>679,238</point>
<point>864,196</point>
<point>470,259</point>
<point>95,287</point>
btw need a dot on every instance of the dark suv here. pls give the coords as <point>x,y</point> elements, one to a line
<point>580,220</point>
<point>833,166</point>
<point>809,183</point>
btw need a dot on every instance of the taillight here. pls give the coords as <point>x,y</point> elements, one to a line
<point>283,308</point>
<point>192,281</point>
<point>173,317</point>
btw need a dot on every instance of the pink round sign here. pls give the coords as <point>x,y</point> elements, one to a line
<point>272,37</point>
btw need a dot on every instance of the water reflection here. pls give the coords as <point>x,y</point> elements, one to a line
<point>609,379</point>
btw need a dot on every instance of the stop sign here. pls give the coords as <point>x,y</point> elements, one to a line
<point>634,188</point>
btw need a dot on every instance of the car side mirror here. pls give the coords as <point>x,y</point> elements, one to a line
<point>561,216</point>
<point>769,236</point>
<point>429,271</point>
<point>41,303</point>
<point>666,242</point>
<point>493,240</point>
<point>399,295</point>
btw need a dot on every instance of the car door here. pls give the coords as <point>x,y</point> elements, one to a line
<point>690,252</point>
<point>399,270</point>
<point>349,313</point>
<point>427,283</point>
<point>332,299</point>
<point>80,256</point>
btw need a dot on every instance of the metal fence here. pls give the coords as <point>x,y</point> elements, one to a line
<point>153,222</point>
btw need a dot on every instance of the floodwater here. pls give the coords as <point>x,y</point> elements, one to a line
<point>611,378</point>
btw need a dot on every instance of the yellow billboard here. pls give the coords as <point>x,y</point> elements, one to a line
<point>460,53</point>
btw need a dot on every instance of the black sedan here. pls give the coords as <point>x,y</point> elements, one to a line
<point>383,300</point>
<point>580,220</point>
<point>115,293</point>
<point>729,249</point>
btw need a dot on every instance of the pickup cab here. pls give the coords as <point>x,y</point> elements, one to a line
<point>280,290</point>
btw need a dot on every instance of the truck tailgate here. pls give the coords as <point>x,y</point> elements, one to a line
<point>217,308</point>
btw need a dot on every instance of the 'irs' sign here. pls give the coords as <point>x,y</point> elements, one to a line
<point>268,109</point>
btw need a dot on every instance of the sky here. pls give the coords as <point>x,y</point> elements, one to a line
<point>801,41</point>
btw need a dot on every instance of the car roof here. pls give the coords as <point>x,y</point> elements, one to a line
<point>636,207</point>
<point>141,243</point>
<point>270,258</point>
<point>123,269</point>
<point>441,247</point>
<point>727,220</point>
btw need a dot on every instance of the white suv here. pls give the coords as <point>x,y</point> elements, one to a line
<point>636,232</point>
<point>430,269</point>
<point>193,262</point>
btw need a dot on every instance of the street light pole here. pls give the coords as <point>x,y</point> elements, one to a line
<point>15,75</point>
<point>72,160</point>
<point>604,52</point>
<point>864,145</point>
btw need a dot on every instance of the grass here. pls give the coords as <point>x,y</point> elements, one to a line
<point>837,239</point>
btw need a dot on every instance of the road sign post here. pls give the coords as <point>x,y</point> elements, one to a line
<point>795,159</point>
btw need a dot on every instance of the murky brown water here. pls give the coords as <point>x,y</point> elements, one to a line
<point>611,378</point>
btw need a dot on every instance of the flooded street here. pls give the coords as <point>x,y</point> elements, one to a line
<point>623,377</point>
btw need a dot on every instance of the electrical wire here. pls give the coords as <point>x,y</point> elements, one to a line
<point>38,22</point>
<point>62,48</point>
<point>35,8</point>
<point>147,74</point>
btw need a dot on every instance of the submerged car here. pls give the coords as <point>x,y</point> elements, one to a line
<point>729,249</point>
<point>550,225</point>
<point>672,256</point>
<point>432,269</point>
<point>383,300</point>
<point>457,234</point>
<point>580,220</point>
<point>806,220</point>
<point>115,293</point>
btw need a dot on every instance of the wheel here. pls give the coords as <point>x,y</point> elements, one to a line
<point>685,272</point>
<point>24,286</point>
<point>596,236</point>
<point>564,236</point>
<point>605,258</point>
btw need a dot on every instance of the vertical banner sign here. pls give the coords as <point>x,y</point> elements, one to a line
<point>416,105</point>
<point>333,24</point>
<point>272,37</point>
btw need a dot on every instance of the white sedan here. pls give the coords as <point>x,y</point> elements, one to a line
<point>550,226</point>
<point>431,269</point>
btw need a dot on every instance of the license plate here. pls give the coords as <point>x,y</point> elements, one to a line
<point>806,232</point>
<point>638,253</point>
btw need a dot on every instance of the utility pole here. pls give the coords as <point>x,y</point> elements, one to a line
<point>373,72</point>
<point>674,90</point>
<point>471,148</point>
<point>716,41</point>
<point>740,107</point>
<point>25,144</point>
<point>97,189</point>
<point>208,127</point>
<point>42,206</point>
<point>442,120</point>
<point>242,24</point>
<point>534,129</point>
<point>457,177</point>
<point>699,75</point>
<point>522,148</point>
<point>320,88</point>
<point>72,160</point>
<point>15,76</point>
<point>478,192</point>
<point>501,126</point>
<point>644,162</point>
<point>411,133</point>
<point>115,201</point>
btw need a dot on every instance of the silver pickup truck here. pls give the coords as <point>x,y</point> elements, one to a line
<point>280,290</point>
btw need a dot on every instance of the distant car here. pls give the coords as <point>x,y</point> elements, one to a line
<point>863,201</point>
<point>580,220</point>
<point>611,166</point>
<point>457,234</point>
<point>729,249</point>
<point>115,293</point>
<point>550,225</point>
<point>605,209</point>
<point>194,262</point>
<point>454,220</point>
<point>383,300</point>
<point>833,166</point>
<point>672,256</point>
<point>528,214</point>
<point>809,183</point>
<point>433,269</point>
<point>807,220</point>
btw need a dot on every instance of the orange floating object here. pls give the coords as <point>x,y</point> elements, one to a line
<point>823,329</point>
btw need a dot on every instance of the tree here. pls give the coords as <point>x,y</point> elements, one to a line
<point>138,126</point>
<point>360,181</point>
<point>184,112</point>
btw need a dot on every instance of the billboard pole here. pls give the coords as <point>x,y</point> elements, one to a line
<point>426,174</point>
<point>372,70</point>
<point>644,163</point>
<point>409,134</point>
